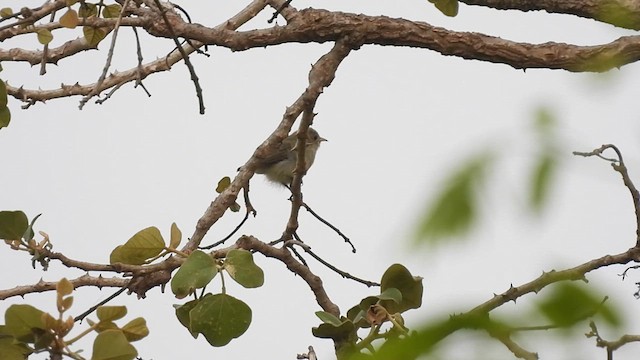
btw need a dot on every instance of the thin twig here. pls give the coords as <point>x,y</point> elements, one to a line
<point>107,63</point>
<point>140,69</point>
<point>344,274</point>
<point>621,168</point>
<point>185,56</point>
<point>45,50</point>
<point>93,308</point>
<point>278,10</point>
<point>346,239</point>
<point>220,242</point>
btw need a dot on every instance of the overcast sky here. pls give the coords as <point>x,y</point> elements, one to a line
<point>398,121</point>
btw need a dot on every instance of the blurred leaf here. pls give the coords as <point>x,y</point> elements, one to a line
<point>135,329</point>
<point>112,345</point>
<point>13,225</point>
<point>196,272</point>
<point>455,209</point>
<point>70,19</point>
<point>223,184</point>
<point>142,246</point>
<point>44,36</point>
<point>447,7</point>
<point>569,303</point>
<point>220,318</point>
<point>6,12</point>
<point>544,121</point>
<point>21,320</point>
<point>541,180</point>
<point>111,11</point>
<point>398,277</point>
<point>235,207</point>
<point>176,236</point>
<point>240,266</point>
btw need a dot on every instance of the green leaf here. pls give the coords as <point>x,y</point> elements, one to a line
<point>544,121</point>
<point>239,264</point>
<point>328,318</point>
<point>5,117</point>
<point>112,345</point>
<point>64,287</point>
<point>541,180</point>
<point>6,12</point>
<point>398,277</point>
<point>343,331</point>
<point>88,10</point>
<point>569,303</point>
<point>135,329</point>
<point>235,207</point>
<point>111,11</point>
<point>196,272</point>
<point>220,318</point>
<point>22,321</point>
<point>447,7</point>
<point>111,313</point>
<point>4,99</point>
<point>44,36</point>
<point>392,294</point>
<point>182,313</point>
<point>223,184</point>
<point>28,233</point>
<point>13,225</point>
<point>142,246</point>
<point>11,350</point>
<point>93,35</point>
<point>455,209</point>
<point>176,236</point>
<point>69,19</point>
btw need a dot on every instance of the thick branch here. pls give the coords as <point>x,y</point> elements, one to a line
<point>312,25</point>
<point>42,286</point>
<point>625,14</point>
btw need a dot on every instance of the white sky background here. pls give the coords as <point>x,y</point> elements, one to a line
<point>398,120</point>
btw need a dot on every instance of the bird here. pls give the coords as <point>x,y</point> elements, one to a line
<point>280,167</point>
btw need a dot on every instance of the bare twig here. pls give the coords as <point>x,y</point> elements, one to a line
<point>610,346</point>
<point>331,226</point>
<point>93,308</point>
<point>344,274</point>
<point>185,56</point>
<point>107,63</point>
<point>278,10</point>
<point>620,167</point>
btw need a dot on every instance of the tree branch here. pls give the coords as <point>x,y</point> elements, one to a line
<point>624,14</point>
<point>42,286</point>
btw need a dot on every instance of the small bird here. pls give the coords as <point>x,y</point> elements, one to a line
<point>280,167</point>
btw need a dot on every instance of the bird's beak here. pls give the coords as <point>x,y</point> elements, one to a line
<point>322,139</point>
